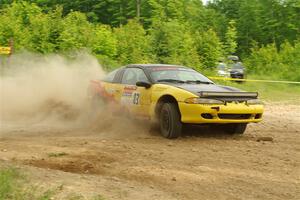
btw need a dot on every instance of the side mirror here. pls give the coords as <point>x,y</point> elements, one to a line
<point>143,84</point>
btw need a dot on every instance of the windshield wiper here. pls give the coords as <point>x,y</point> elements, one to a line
<point>171,80</point>
<point>198,82</point>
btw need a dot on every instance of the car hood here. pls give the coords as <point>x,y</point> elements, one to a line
<point>217,91</point>
<point>197,88</point>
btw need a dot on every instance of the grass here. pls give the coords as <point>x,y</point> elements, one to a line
<point>275,92</point>
<point>57,154</point>
<point>8,179</point>
<point>98,197</point>
<point>269,91</point>
<point>14,186</point>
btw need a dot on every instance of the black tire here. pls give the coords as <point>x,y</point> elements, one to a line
<point>240,76</point>
<point>170,124</point>
<point>154,128</point>
<point>235,128</point>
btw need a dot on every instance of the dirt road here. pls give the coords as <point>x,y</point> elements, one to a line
<point>120,160</point>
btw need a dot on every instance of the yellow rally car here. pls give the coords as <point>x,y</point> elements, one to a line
<point>176,95</point>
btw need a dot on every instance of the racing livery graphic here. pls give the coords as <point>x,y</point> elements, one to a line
<point>175,95</point>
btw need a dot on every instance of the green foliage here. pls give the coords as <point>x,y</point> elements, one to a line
<point>113,12</point>
<point>209,47</point>
<point>76,32</point>
<point>8,180</point>
<point>50,32</point>
<point>14,186</point>
<point>167,10</point>
<point>262,59</point>
<point>59,154</point>
<point>263,21</point>
<point>42,30</point>
<point>104,41</point>
<point>14,22</point>
<point>248,26</point>
<point>281,64</point>
<point>173,43</point>
<point>167,31</point>
<point>230,38</point>
<point>133,44</point>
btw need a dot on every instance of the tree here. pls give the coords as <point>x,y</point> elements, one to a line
<point>112,12</point>
<point>16,22</point>
<point>262,21</point>
<point>50,32</point>
<point>174,44</point>
<point>230,38</point>
<point>133,44</point>
<point>209,47</point>
<point>248,26</point>
<point>282,63</point>
<point>77,32</point>
<point>104,43</point>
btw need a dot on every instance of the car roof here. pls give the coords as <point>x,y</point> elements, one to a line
<point>154,65</point>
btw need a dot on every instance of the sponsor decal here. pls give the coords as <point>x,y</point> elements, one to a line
<point>130,96</point>
<point>136,98</point>
<point>128,90</point>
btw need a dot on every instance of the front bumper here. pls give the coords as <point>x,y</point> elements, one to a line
<point>229,113</point>
<point>237,75</point>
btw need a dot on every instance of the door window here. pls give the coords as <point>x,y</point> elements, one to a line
<point>133,75</point>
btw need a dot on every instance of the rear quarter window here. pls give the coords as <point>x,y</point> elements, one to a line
<point>110,76</point>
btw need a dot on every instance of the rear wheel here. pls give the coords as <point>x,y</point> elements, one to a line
<point>170,124</point>
<point>97,106</point>
<point>235,128</point>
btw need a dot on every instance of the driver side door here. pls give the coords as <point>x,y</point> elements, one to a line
<point>136,99</point>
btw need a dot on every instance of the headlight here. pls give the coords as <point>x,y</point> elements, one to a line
<point>196,100</point>
<point>254,102</point>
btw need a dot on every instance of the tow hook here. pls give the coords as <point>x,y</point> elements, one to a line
<point>217,108</point>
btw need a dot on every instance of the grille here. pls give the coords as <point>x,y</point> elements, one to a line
<point>207,116</point>
<point>234,116</point>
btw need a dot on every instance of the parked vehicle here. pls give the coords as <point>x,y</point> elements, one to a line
<point>237,69</point>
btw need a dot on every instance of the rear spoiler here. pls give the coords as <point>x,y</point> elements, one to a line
<point>229,94</point>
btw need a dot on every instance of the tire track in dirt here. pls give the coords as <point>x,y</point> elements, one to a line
<point>203,164</point>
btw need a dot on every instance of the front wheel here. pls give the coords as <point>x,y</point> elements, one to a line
<point>235,128</point>
<point>170,124</point>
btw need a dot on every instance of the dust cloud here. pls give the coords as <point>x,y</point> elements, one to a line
<point>50,90</point>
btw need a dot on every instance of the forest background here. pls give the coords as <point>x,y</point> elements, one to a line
<point>265,34</point>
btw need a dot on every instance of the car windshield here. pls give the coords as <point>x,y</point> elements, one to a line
<point>238,65</point>
<point>178,75</point>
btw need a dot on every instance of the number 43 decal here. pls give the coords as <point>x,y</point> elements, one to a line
<point>136,98</point>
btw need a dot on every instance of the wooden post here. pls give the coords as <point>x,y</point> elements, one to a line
<point>138,9</point>
<point>11,45</point>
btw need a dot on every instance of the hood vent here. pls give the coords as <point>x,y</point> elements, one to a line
<point>253,95</point>
<point>229,96</point>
